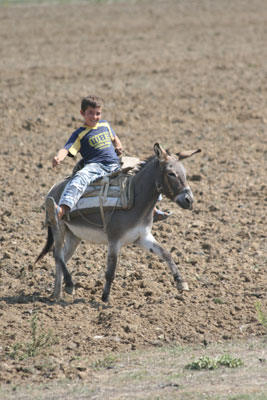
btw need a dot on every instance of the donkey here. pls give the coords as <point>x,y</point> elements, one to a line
<point>161,173</point>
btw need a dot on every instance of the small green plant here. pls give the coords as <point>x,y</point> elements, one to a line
<point>107,362</point>
<point>262,318</point>
<point>218,300</point>
<point>39,340</point>
<point>202,363</point>
<point>208,363</point>
<point>16,350</point>
<point>230,362</point>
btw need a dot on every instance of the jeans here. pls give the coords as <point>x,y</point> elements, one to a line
<point>78,184</point>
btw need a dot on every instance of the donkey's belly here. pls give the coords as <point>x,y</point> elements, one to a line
<point>99,236</point>
<point>90,235</point>
<point>133,234</point>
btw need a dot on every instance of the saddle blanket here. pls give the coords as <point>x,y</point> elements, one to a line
<point>108,193</point>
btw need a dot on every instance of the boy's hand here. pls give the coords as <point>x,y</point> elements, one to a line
<point>55,162</point>
<point>118,150</point>
<point>117,145</point>
<point>59,157</point>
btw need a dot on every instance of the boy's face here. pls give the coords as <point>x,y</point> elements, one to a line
<point>91,116</point>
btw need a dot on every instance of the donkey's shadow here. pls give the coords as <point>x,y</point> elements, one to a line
<point>36,297</point>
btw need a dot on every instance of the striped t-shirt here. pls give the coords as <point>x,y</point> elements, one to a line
<point>94,144</point>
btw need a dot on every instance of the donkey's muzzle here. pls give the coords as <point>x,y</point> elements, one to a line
<point>185,199</point>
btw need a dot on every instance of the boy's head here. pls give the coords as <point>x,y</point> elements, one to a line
<point>91,101</point>
<point>91,108</point>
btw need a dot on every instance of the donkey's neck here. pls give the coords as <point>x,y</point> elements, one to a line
<point>145,185</point>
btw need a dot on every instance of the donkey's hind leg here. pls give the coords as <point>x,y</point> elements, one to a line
<point>63,251</point>
<point>71,244</point>
<point>58,234</point>
<point>58,230</point>
<point>149,244</point>
<point>113,251</point>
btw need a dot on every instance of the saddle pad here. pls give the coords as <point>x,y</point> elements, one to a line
<point>108,193</point>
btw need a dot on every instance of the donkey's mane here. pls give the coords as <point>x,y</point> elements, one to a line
<point>142,164</point>
<point>146,161</point>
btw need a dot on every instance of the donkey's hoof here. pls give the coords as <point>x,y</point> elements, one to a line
<point>69,289</point>
<point>55,297</point>
<point>182,286</point>
<point>105,297</point>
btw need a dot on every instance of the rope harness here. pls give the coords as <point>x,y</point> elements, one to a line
<point>159,184</point>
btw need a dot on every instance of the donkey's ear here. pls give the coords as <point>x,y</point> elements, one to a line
<point>186,154</point>
<point>159,151</point>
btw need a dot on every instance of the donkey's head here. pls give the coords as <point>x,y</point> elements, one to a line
<point>173,183</point>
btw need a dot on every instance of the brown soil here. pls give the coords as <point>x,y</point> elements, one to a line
<point>185,74</point>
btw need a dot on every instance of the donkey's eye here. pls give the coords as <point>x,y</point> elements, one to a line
<point>171,175</point>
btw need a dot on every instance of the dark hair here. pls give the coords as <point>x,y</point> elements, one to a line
<point>91,101</point>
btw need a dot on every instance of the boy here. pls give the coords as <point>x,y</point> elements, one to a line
<point>99,148</point>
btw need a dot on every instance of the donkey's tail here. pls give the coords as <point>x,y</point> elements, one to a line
<point>48,245</point>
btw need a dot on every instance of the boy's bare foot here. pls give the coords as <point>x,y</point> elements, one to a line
<point>161,215</point>
<point>62,210</point>
<point>55,212</point>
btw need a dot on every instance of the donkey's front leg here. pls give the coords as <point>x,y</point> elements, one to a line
<point>113,250</point>
<point>149,243</point>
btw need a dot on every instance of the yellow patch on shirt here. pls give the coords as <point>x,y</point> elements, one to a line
<point>100,141</point>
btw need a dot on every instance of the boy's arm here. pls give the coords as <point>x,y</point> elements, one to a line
<point>118,146</point>
<point>62,153</point>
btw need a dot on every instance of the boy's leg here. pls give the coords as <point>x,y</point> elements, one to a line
<point>78,184</point>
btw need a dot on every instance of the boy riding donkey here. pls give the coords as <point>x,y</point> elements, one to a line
<point>100,149</point>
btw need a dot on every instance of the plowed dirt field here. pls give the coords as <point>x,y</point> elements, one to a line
<point>186,74</point>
